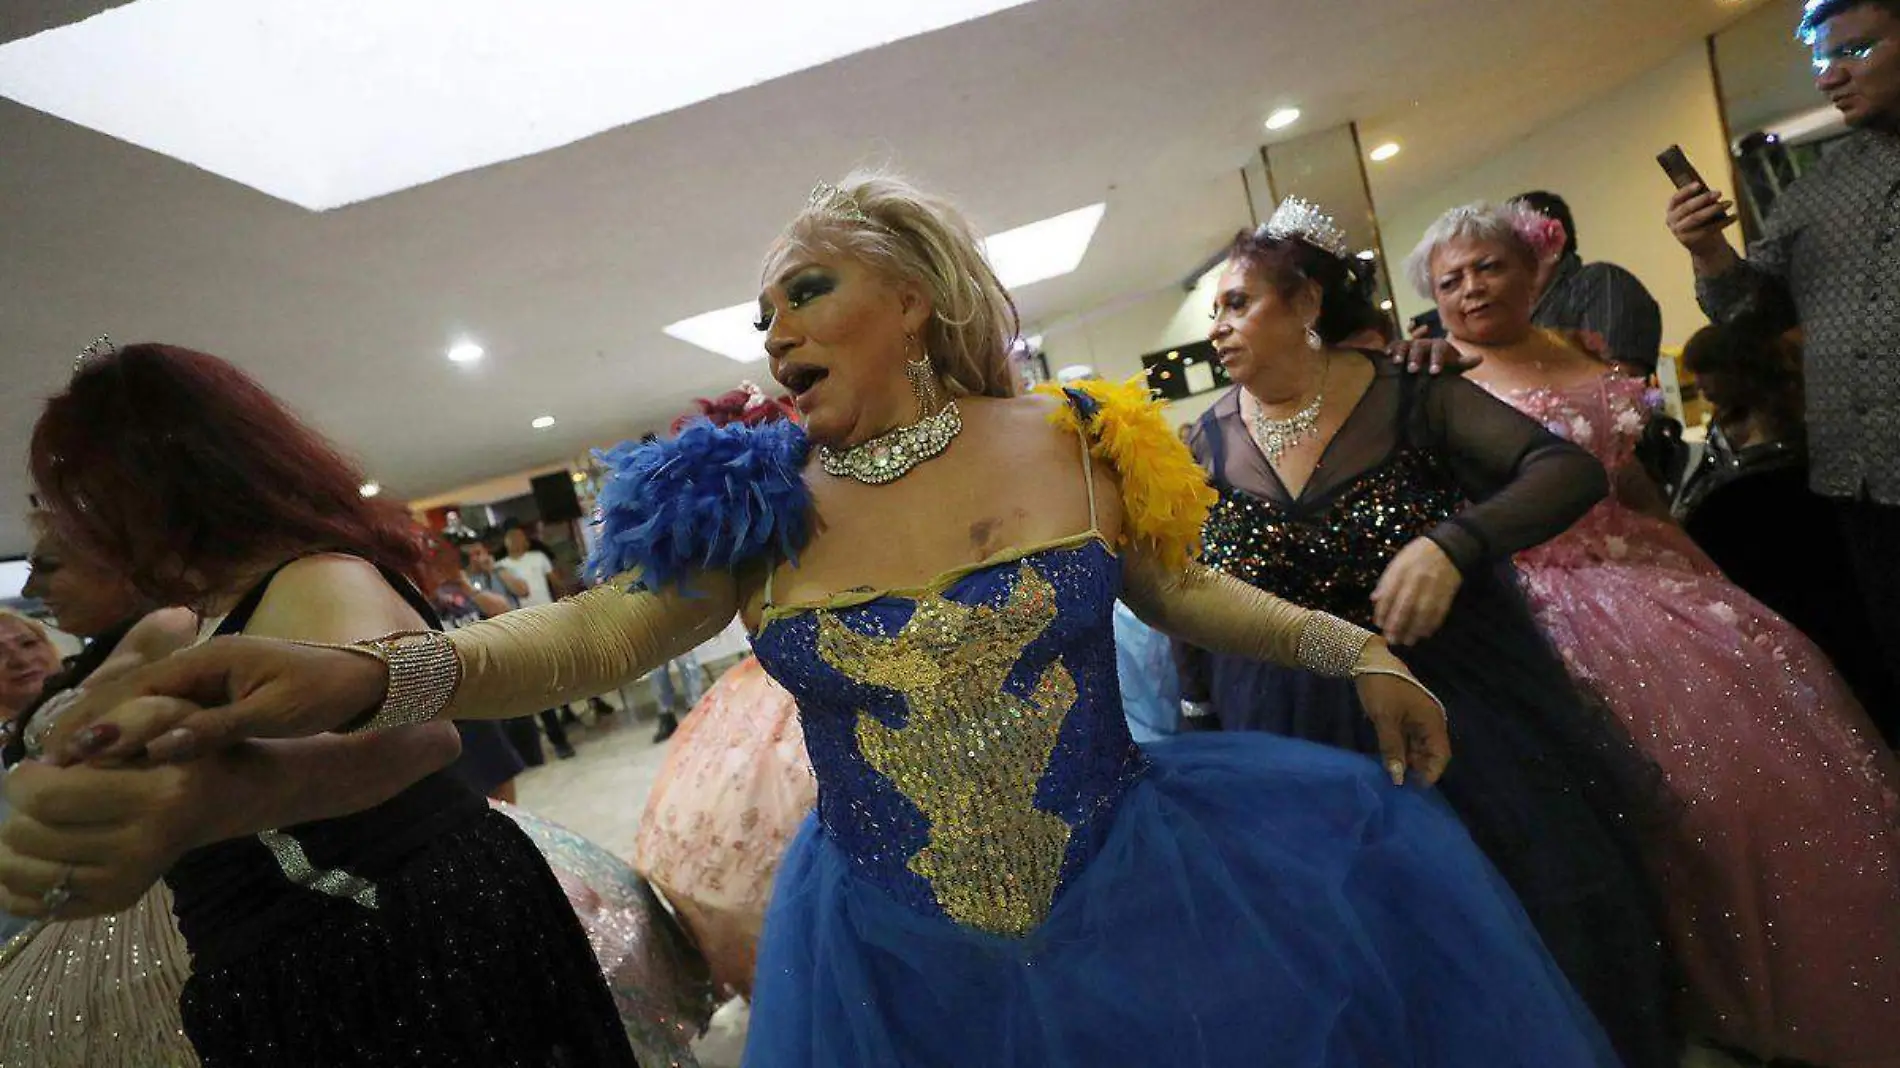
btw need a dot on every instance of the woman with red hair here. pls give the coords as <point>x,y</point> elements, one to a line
<point>362,906</point>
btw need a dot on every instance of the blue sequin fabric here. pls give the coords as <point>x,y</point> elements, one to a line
<point>968,739</point>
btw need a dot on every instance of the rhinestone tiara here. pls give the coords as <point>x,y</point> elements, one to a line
<point>1304,220</point>
<point>832,200</point>
<point>101,346</point>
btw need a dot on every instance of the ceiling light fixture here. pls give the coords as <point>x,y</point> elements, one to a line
<point>1385,305</point>
<point>1283,118</point>
<point>1385,152</point>
<point>1368,255</point>
<point>322,104</point>
<point>370,489</point>
<point>1042,250</point>
<point>543,422</point>
<point>465,352</point>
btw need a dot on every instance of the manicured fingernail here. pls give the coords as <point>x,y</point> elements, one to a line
<point>1396,769</point>
<point>173,746</point>
<point>93,739</point>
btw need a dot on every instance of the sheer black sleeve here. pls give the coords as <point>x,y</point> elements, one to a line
<point>1526,484</point>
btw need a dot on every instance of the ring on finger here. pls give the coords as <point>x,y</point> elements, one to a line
<point>60,895</point>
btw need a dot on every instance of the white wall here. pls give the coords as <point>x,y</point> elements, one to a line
<point>1602,159</point>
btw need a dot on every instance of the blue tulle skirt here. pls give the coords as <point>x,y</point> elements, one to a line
<point>1260,902</point>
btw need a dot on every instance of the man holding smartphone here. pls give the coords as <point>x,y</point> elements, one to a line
<point>1829,262</point>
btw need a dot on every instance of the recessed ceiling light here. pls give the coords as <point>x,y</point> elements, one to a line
<point>1385,305</point>
<point>370,489</point>
<point>1043,250</point>
<point>329,104</point>
<point>1283,118</point>
<point>465,352</point>
<point>1368,254</point>
<point>543,422</point>
<point>730,332</point>
<point>1385,152</point>
<point>1024,256</point>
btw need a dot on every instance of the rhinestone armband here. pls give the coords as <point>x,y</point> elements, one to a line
<point>424,674</point>
<point>1330,646</point>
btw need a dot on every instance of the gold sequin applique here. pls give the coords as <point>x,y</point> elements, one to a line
<point>970,755</point>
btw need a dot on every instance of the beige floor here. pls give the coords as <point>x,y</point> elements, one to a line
<point>600,794</point>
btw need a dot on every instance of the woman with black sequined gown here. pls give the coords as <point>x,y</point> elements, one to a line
<point>1544,786</point>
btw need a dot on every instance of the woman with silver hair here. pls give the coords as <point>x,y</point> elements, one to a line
<point>1782,869</point>
<point>995,873</point>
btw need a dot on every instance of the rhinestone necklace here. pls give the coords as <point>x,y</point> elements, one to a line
<point>1276,437</point>
<point>895,453</point>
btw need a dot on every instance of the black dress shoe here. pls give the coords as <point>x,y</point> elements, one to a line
<point>602,708</point>
<point>565,752</point>
<point>668,724</point>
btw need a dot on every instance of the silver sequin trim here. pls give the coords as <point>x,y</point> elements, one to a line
<point>296,867</point>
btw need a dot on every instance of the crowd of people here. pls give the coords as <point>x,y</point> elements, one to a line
<point>1422,705</point>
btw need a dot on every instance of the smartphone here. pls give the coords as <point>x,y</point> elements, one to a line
<point>1432,325</point>
<point>1680,171</point>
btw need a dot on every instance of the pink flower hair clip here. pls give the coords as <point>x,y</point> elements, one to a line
<point>1545,236</point>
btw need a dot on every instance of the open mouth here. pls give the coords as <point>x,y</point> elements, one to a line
<point>799,379</point>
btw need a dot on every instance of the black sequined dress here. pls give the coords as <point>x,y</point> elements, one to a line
<point>1549,788</point>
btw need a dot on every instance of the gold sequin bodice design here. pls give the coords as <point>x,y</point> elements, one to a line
<point>968,739</point>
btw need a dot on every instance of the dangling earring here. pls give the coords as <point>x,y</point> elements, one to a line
<point>1313,340</point>
<point>923,377</point>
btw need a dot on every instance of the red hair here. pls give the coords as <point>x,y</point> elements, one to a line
<point>741,406</point>
<point>183,472</point>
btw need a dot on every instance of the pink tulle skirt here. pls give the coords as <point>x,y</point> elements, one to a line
<point>1782,867</point>
<point>735,786</point>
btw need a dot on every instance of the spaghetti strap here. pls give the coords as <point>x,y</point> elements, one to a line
<point>1088,478</point>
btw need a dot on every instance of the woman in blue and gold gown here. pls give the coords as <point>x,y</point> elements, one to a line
<point>1399,508</point>
<point>995,874</point>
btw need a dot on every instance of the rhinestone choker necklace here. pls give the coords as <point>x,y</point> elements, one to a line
<point>895,453</point>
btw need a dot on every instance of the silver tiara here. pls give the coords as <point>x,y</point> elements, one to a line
<point>832,200</point>
<point>1303,219</point>
<point>101,346</point>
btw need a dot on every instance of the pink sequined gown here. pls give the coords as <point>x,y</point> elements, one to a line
<point>735,786</point>
<point>1783,868</point>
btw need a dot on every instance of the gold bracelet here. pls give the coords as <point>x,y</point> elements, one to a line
<point>424,674</point>
<point>1330,646</point>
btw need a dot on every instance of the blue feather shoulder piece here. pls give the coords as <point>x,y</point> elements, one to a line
<point>709,499</point>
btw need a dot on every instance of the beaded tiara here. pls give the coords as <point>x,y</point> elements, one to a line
<point>1304,220</point>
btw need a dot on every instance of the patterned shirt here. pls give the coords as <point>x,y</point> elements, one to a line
<point>1829,263</point>
<point>1606,300</point>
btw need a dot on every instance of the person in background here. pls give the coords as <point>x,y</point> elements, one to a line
<point>1780,865</point>
<point>490,760</point>
<point>133,1019</point>
<point>1151,687</point>
<point>1748,504</point>
<point>28,658</point>
<point>486,576</point>
<point>1594,298</point>
<point>1829,262</point>
<point>532,568</point>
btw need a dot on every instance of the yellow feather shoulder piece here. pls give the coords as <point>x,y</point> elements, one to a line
<point>1165,495</point>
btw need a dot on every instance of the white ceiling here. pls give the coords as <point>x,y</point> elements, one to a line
<point>566,265</point>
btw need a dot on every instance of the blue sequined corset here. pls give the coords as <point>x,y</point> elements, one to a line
<point>1330,555</point>
<point>968,738</point>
